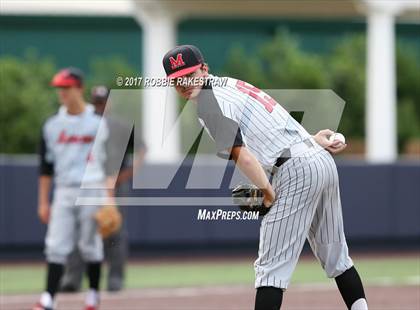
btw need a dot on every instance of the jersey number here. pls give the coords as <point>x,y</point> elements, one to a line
<point>257,94</point>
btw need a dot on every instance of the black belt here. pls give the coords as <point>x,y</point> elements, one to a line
<point>280,161</point>
<point>286,155</point>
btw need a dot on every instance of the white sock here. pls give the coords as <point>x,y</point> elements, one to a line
<point>46,300</point>
<point>92,298</point>
<point>359,304</point>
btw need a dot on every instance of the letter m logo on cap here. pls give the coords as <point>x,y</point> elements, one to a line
<point>178,62</point>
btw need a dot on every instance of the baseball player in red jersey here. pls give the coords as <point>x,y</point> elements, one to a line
<point>67,146</point>
<point>303,197</point>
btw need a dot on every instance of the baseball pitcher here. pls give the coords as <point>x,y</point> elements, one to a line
<point>303,199</point>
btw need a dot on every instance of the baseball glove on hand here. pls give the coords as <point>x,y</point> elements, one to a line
<point>108,219</point>
<point>249,198</point>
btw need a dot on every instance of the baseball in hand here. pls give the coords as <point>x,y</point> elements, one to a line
<point>337,137</point>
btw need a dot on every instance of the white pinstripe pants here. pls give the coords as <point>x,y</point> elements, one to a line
<point>308,206</point>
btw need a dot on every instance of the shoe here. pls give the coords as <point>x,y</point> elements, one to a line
<point>92,300</point>
<point>38,306</point>
<point>45,299</point>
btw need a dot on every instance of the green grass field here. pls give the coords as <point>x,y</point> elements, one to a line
<point>375,271</point>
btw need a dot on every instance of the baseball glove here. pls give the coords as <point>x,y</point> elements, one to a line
<point>108,219</point>
<point>249,198</point>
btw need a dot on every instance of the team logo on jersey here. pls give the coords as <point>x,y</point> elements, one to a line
<point>178,62</point>
<point>64,138</point>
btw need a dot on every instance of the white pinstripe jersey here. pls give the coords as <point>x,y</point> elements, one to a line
<point>237,113</point>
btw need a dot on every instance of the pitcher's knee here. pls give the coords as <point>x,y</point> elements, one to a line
<point>337,267</point>
<point>335,271</point>
<point>334,258</point>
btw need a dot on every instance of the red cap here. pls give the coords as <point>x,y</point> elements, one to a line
<point>68,77</point>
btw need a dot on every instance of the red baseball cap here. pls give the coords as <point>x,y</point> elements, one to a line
<point>182,60</point>
<point>68,77</point>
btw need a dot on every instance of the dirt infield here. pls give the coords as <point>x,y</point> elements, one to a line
<point>227,298</point>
